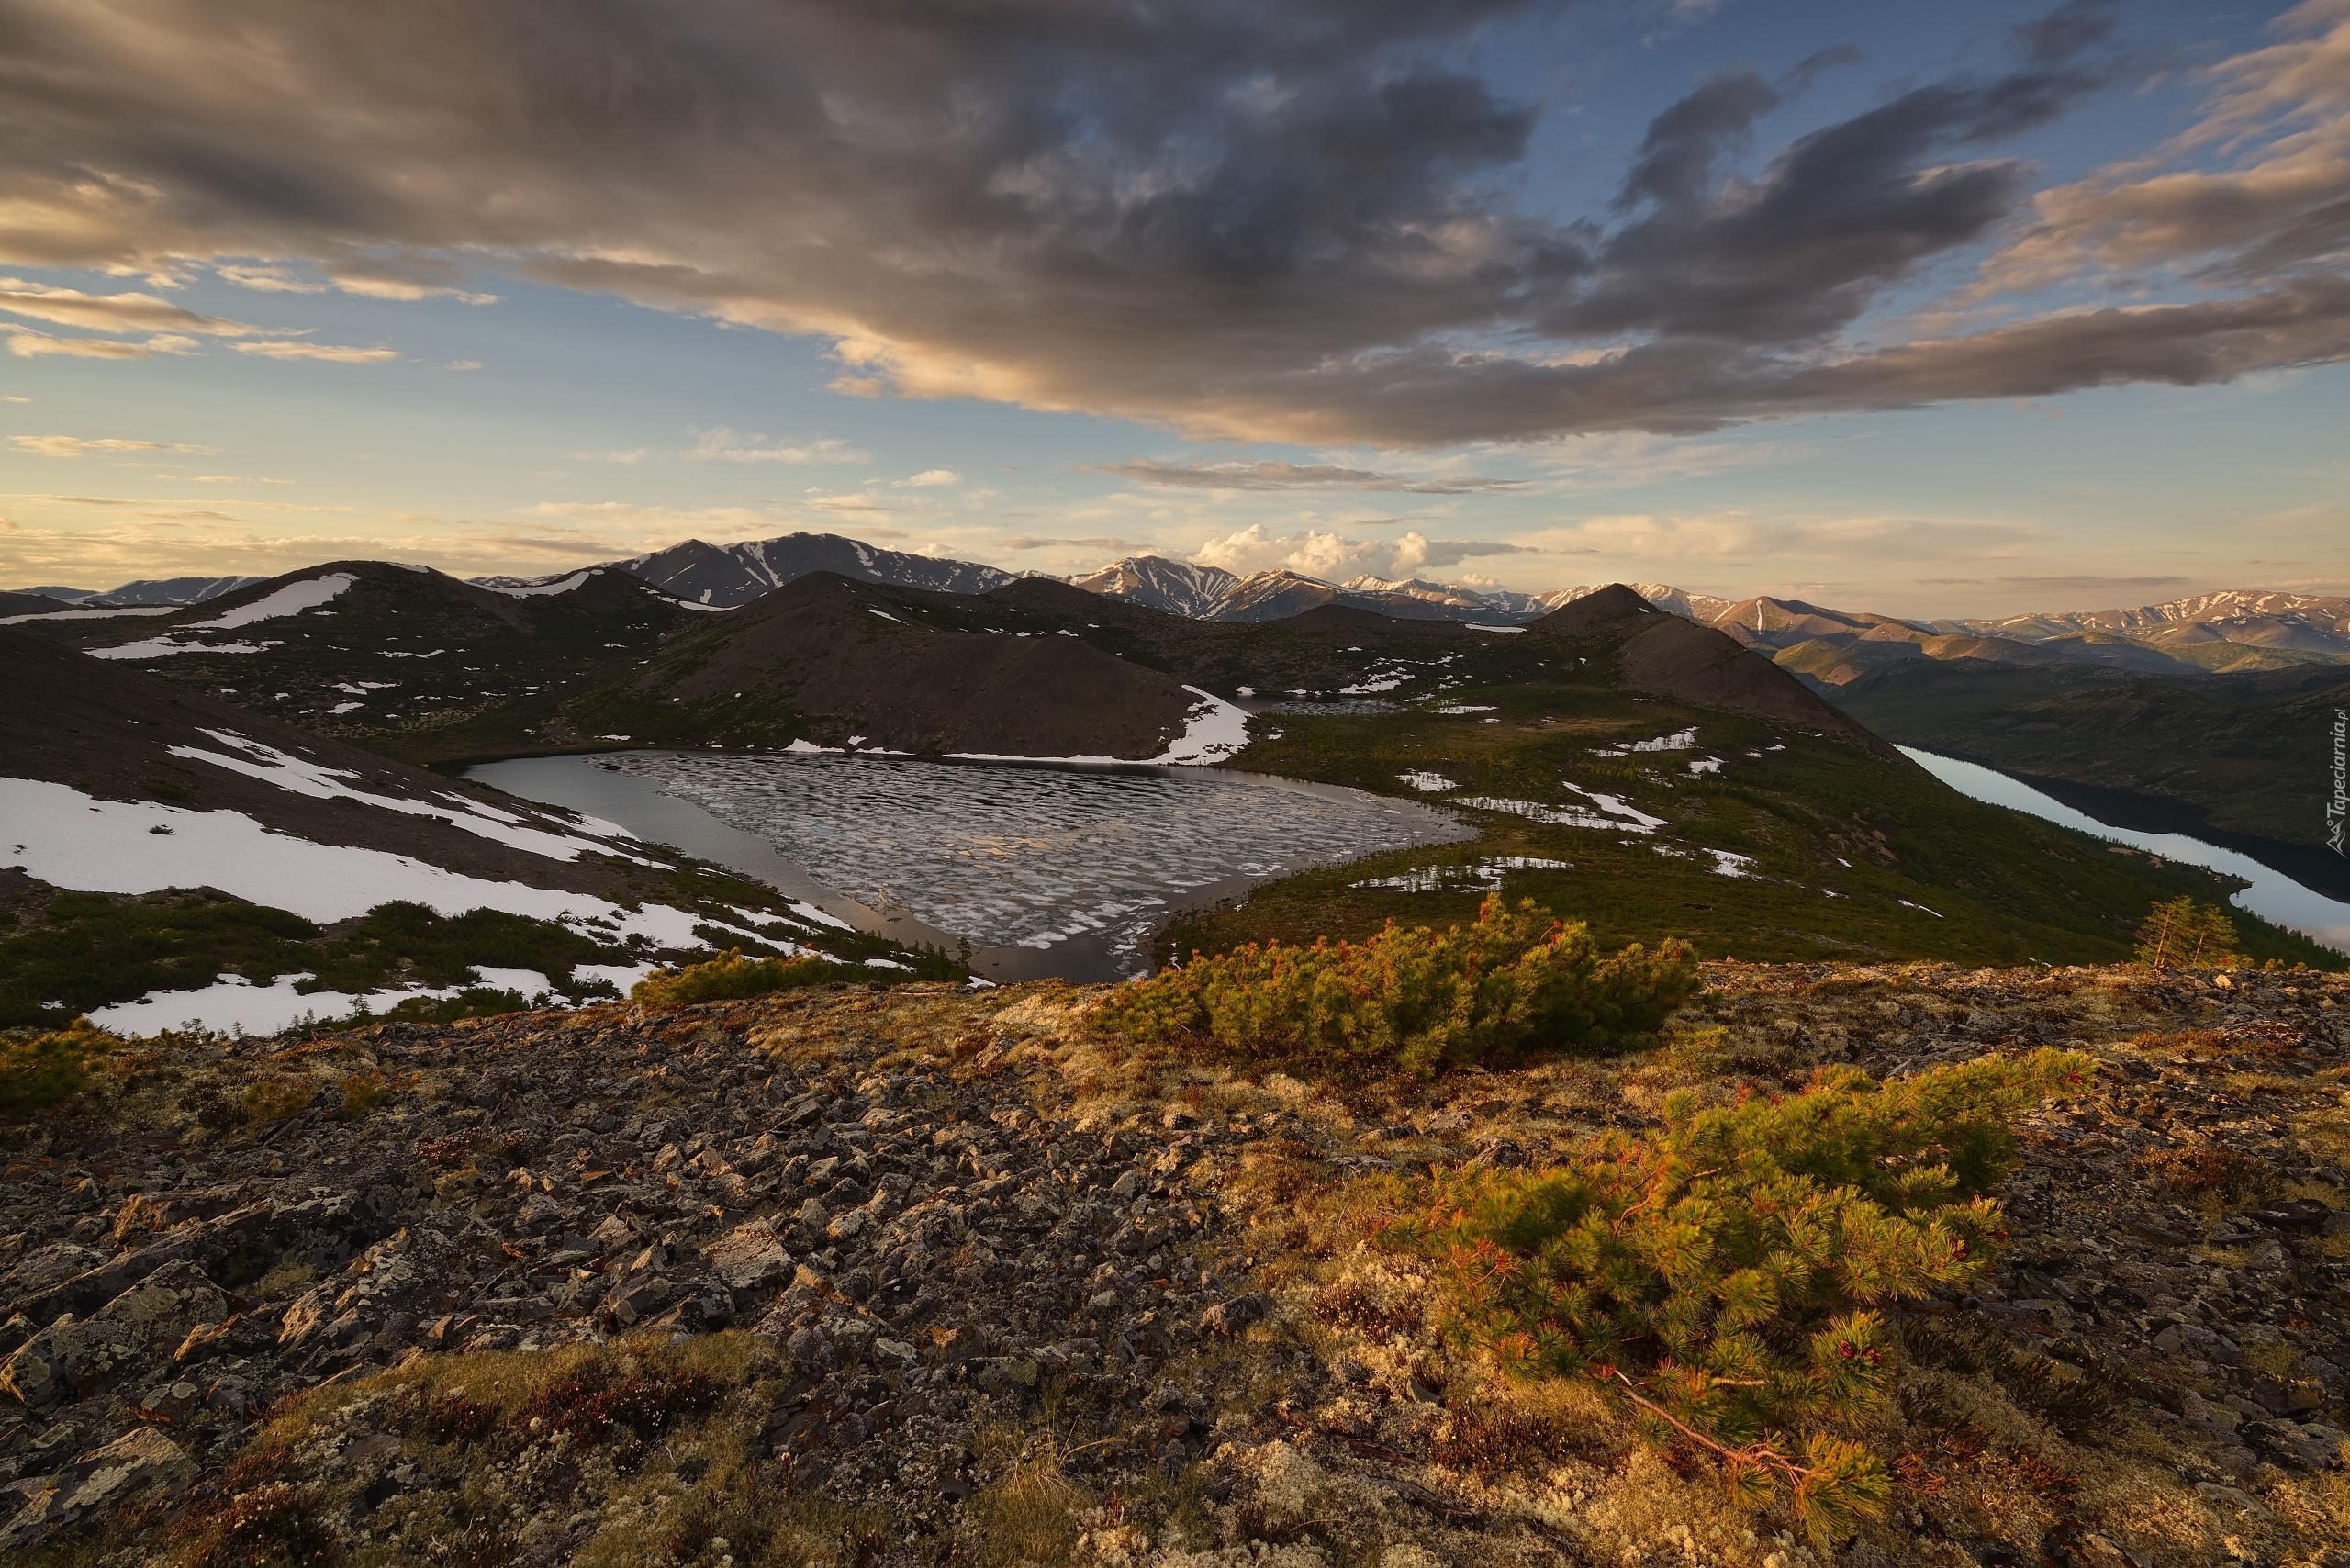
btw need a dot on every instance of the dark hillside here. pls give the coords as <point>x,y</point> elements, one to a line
<point>1659,652</point>
<point>406,661</point>
<point>830,661</point>
<point>2251,754</point>
<point>725,575</point>
<point>116,734</point>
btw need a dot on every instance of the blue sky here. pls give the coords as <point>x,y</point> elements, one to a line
<point>1381,329</point>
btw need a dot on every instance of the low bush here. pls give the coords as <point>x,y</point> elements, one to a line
<point>2180,934</point>
<point>41,1070</point>
<point>730,975</point>
<point>1518,979</point>
<point>1717,1273</point>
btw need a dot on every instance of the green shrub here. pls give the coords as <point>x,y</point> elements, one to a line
<point>730,975</point>
<point>1717,1273</point>
<point>2180,934</point>
<point>1519,980</point>
<point>39,1072</point>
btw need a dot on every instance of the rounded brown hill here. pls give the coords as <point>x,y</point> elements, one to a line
<point>1660,652</point>
<point>828,660</point>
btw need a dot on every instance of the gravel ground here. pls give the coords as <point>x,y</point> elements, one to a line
<point>933,1276</point>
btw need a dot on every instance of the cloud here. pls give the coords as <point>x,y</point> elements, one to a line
<point>232,478</point>
<point>1736,535</point>
<point>2282,209</point>
<point>2073,583</point>
<point>112,312</point>
<point>931,476</point>
<point>1335,558</point>
<point>27,346</point>
<point>720,444</point>
<point>268,280</point>
<point>329,352</point>
<point>1031,541</point>
<point>462,364</point>
<point>1261,474</point>
<point>1296,222</point>
<point>81,446</point>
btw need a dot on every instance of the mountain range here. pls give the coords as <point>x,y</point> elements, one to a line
<point>2234,631</point>
<point>836,644</point>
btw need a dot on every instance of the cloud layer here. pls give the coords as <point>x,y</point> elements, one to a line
<point>1272,222</point>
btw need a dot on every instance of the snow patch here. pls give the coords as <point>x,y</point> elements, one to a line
<point>1474,626</point>
<point>321,782</point>
<point>1729,863</point>
<point>1214,729</point>
<point>1465,707</point>
<point>1615,806</point>
<point>1553,816</point>
<point>161,647</point>
<point>531,591</point>
<point>74,841</point>
<point>291,599</point>
<point>1701,766</point>
<point>1482,874</point>
<point>1428,783</point>
<point>1680,740</point>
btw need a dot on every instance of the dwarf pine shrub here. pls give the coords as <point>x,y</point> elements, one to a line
<point>730,975</point>
<point>2180,934</point>
<point>1519,980</point>
<point>1719,1273</point>
<point>42,1069</point>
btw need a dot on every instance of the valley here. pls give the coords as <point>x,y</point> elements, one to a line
<point>1615,757</point>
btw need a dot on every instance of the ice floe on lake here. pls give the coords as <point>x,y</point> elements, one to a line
<point>1032,856</point>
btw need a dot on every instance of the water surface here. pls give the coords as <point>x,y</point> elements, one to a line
<point>1044,870</point>
<point>2272,896</point>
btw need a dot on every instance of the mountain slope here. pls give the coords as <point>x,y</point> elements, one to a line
<point>2244,759</point>
<point>152,838</point>
<point>724,576</point>
<point>1176,587</point>
<point>1660,652</point>
<point>829,661</point>
<point>406,660</point>
<point>1627,767</point>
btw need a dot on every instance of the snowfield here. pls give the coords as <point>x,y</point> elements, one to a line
<point>319,783</point>
<point>1212,731</point>
<point>291,599</point>
<point>234,1006</point>
<point>64,837</point>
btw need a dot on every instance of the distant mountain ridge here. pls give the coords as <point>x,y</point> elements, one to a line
<point>2236,631</point>
<point>145,591</point>
<point>723,577</point>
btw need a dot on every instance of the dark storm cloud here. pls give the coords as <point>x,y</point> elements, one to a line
<point>1272,220</point>
<point>1838,216</point>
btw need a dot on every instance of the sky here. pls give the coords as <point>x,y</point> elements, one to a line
<point>1928,310</point>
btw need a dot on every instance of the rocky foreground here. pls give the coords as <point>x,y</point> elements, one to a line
<point>928,1276</point>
